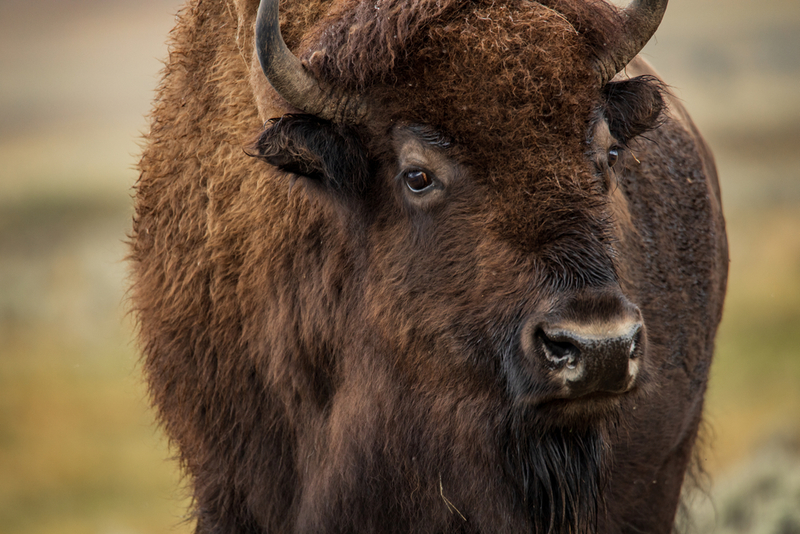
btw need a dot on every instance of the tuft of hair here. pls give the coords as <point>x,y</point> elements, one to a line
<point>561,475</point>
<point>634,107</point>
<point>318,149</point>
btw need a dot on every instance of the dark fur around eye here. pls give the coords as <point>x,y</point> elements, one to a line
<point>329,153</point>
<point>633,107</point>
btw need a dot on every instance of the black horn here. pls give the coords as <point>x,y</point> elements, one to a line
<point>292,81</point>
<point>640,21</point>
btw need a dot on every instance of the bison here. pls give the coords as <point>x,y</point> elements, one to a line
<point>465,278</point>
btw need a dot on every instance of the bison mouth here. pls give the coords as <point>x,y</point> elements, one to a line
<point>590,404</point>
<point>597,414</point>
<point>568,391</point>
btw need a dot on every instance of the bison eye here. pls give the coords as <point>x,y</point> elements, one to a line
<point>612,156</point>
<point>418,180</point>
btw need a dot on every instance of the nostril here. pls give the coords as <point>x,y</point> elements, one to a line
<point>559,351</point>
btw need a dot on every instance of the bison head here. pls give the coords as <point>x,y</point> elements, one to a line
<point>482,152</point>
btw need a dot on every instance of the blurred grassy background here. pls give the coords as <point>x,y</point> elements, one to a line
<point>78,448</point>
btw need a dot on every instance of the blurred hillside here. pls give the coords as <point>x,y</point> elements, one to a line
<point>78,448</point>
<point>79,452</point>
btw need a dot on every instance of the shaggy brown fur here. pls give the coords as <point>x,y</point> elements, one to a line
<point>331,353</point>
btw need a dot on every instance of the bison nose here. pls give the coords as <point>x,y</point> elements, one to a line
<point>591,357</point>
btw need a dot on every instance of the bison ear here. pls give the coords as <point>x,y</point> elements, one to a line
<point>633,107</point>
<point>328,153</point>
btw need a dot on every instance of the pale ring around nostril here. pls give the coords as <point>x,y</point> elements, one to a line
<point>559,352</point>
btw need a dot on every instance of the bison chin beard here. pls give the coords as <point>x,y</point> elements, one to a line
<point>560,474</point>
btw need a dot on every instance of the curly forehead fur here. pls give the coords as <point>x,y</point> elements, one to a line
<point>469,67</point>
<point>363,42</point>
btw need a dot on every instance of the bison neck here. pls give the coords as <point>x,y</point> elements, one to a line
<point>559,474</point>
